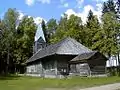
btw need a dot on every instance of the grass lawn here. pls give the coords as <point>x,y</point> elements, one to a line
<point>35,83</point>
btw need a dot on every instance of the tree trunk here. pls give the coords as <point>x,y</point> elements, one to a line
<point>110,69</point>
<point>8,57</point>
<point>118,64</point>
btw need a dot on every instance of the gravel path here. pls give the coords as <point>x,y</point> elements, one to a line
<point>115,86</point>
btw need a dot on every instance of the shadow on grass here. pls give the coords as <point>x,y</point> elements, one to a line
<point>9,77</point>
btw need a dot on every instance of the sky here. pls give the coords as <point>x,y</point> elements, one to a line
<point>47,9</point>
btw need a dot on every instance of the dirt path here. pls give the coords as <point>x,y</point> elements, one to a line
<point>115,86</point>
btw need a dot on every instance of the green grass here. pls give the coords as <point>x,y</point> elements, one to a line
<point>35,83</point>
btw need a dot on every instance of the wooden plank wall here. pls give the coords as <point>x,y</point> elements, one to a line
<point>80,69</point>
<point>35,69</point>
<point>97,66</point>
<point>45,68</point>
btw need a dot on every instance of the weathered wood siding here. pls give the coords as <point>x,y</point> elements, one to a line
<point>35,69</point>
<point>59,66</point>
<point>93,66</point>
<point>80,69</point>
<point>45,68</point>
<point>97,66</point>
<point>50,68</point>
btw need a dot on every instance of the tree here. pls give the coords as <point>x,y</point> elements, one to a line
<point>118,9</point>
<point>118,35</point>
<point>106,38</point>
<point>89,17</point>
<point>92,27</point>
<point>9,40</point>
<point>105,8</point>
<point>16,40</point>
<point>109,6</point>
<point>69,27</point>
<point>51,28</point>
<point>110,25</point>
<point>1,37</point>
<point>45,31</point>
<point>61,30</point>
<point>25,39</point>
<point>74,28</point>
<point>52,24</point>
<point>111,30</point>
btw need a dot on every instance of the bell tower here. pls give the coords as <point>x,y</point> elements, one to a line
<point>39,41</point>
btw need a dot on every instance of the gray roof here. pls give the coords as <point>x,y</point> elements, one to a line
<point>87,56</point>
<point>67,46</point>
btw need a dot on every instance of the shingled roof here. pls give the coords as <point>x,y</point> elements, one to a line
<point>67,46</point>
<point>87,56</point>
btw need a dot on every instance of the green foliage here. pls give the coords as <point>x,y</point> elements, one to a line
<point>118,9</point>
<point>52,24</point>
<point>68,27</point>
<point>51,29</point>
<point>92,27</point>
<point>109,6</point>
<point>106,37</point>
<point>60,31</point>
<point>9,24</point>
<point>90,16</point>
<point>74,23</point>
<point>25,39</point>
<point>17,40</point>
<point>45,32</point>
<point>110,25</point>
<point>105,8</point>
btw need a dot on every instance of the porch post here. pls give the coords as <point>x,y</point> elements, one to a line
<point>56,68</point>
<point>42,70</point>
<point>89,70</point>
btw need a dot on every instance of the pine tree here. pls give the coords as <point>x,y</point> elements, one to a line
<point>118,9</point>
<point>45,32</point>
<point>51,28</point>
<point>92,28</point>
<point>105,8</point>
<point>89,17</point>
<point>111,6</point>
<point>108,6</point>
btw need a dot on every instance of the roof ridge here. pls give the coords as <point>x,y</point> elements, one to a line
<point>66,46</point>
<point>58,43</point>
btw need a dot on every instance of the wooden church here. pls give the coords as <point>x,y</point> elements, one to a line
<point>67,57</point>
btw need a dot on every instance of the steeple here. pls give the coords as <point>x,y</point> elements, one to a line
<point>39,40</point>
<point>39,33</point>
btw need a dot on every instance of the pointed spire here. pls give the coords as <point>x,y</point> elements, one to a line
<point>39,33</point>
